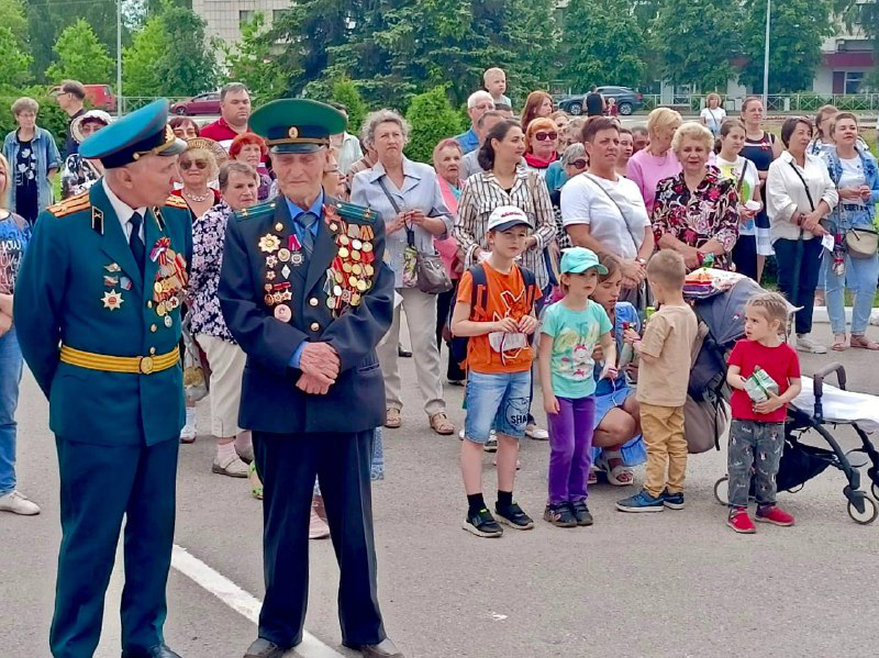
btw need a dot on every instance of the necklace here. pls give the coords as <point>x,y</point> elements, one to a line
<point>198,198</point>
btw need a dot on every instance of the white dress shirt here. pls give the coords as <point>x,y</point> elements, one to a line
<point>124,212</point>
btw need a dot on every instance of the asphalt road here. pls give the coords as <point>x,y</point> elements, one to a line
<point>673,584</point>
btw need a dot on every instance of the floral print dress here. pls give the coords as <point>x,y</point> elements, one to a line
<point>711,213</point>
<point>208,238</point>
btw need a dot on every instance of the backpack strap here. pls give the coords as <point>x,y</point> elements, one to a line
<point>479,291</point>
<point>530,286</point>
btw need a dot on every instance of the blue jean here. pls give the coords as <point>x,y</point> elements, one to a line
<point>861,276</point>
<point>10,378</point>
<point>496,400</point>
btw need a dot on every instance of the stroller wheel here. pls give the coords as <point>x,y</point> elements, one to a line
<point>721,490</point>
<point>869,513</point>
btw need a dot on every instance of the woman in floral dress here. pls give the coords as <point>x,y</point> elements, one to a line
<point>696,212</point>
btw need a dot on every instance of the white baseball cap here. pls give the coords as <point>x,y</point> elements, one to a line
<point>503,218</point>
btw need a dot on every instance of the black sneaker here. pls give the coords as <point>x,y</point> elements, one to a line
<point>560,515</point>
<point>514,517</point>
<point>482,524</point>
<point>581,513</point>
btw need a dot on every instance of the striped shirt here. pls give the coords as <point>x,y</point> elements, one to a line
<point>483,193</point>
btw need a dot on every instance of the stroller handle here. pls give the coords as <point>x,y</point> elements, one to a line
<point>818,385</point>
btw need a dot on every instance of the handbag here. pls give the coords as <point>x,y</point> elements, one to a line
<point>861,242</point>
<point>424,271</point>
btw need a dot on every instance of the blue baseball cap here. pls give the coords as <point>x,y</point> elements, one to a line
<point>579,259</point>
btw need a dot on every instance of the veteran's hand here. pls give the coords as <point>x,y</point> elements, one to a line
<point>320,360</point>
<point>313,385</point>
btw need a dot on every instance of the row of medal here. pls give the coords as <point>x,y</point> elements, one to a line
<point>279,260</point>
<point>351,272</point>
<point>171,278</point>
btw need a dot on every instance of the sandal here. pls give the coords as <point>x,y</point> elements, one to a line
<point>618,474</point>
<point>394,420</point>
<point>864,343</point>
<point>441,424</point>
<point>839,343</point>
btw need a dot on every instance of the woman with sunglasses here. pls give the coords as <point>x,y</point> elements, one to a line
<point>541,145</point>
<point>573,161</point>
<point>184,128</point>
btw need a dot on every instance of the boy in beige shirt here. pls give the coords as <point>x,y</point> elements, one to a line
<point>662,386</point>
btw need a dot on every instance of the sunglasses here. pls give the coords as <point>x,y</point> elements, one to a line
<point>543,136</point>
<point>189,164</point>
<point>579,164</point>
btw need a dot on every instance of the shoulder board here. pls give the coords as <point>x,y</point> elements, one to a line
<point>175,202</point>
<point>355,213</point>
<point>71,205</point>
<point>259,210</point>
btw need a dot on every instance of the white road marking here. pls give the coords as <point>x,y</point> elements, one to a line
<point>240,601</point>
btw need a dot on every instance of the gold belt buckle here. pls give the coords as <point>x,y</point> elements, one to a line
<point>146,365</point>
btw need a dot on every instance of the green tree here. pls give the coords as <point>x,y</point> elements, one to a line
<point>15,71</point>
<point>80,56</point>
<point>170,56</point>
<point>252,62</point>
<point>602,44</point>
<point>432,118</point>
<point>12,15</point>
<point>345,92</point>
<point>797,29</point>
<point>692,54</point>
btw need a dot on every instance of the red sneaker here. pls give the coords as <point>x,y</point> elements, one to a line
<point>740,521</point>
<point>774,515</point>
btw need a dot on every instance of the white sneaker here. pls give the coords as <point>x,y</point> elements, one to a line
<point>17,503</point>
<point>190,429</point>
<point>532,431</point>
<point>230,465</point>
<point>806,344</point>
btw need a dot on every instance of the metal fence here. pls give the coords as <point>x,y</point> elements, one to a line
<point>807,102</point>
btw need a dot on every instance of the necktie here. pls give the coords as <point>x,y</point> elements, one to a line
<point>306,221</point>
<point>137,246</point>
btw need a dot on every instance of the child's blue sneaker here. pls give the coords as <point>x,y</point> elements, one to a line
<point>641,502</point>
<point>672,500</point>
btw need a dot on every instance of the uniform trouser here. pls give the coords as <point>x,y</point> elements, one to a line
<point>99,486</point>
<point>287,465</point>
<point>420,310</point>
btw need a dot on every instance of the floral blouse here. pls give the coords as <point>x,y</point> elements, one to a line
<point>710,213</point>
<point>208,238</point>
<point>77,176</point>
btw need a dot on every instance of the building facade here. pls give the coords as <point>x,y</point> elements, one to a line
<point>224,18</point>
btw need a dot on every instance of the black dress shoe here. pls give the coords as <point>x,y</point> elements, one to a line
<point>158,651</point>
<point>263,648</point>
<point>384,649</point>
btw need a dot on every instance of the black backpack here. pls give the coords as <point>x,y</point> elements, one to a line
<point>478,298</point>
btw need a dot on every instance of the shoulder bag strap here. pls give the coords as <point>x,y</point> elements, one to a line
<point>803,181</point>
<point>410,234</point>
<point>618,207</point>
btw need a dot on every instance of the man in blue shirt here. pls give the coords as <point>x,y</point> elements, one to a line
<point>478,104</point>
<point>305,292</point>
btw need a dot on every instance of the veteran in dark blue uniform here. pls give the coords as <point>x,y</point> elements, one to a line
<point>306,294</point>
<point>97,307</point>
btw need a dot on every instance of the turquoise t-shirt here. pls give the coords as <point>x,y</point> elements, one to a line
<point>574,334</point>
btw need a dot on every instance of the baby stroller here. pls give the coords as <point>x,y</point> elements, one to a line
<point>818,408</point>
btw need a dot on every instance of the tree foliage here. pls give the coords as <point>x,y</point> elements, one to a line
<point>797,29</point>
<point>432,119</point>
<point>80,56</point>
<point>250,61</point>
<point>170,56</point>
<point>696,41</point>
<point>601,44</point>
<point>16,69</point>
<point>345,92</point>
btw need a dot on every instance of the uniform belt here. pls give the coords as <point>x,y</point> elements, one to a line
<point>136,365</point>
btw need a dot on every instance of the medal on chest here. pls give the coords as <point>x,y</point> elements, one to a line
<point>351,272</point>
<point>170,278</point>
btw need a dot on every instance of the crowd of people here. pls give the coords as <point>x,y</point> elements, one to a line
<point>555,235</point>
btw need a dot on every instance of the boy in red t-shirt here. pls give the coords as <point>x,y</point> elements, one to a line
<point>756,435</point>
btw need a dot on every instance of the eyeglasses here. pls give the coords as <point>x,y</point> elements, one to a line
<point>189,164</point>
<point>543,136</point>
<point>579,163</point>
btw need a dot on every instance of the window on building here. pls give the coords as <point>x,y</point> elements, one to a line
<point>853,81</point>
<point>245,16</point>
<point>278,14</point>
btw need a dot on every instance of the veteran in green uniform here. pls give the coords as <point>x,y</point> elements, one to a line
<point>97,307</point>
<point>305,292</point>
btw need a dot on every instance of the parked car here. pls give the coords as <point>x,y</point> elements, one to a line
<point>208,103</point>
<point>97,96</point>
<point>627,100</point>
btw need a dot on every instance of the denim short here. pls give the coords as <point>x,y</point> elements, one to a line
<point>499,401</point>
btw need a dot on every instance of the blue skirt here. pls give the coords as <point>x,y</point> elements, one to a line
<point>633,452</point>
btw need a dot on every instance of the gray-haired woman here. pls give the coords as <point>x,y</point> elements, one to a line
<point>34,158</point>
<point>407,195</point>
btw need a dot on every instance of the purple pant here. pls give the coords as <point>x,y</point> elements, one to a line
<point>570,441</point>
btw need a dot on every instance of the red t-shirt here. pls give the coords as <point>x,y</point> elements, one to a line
<point>780,363</point>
